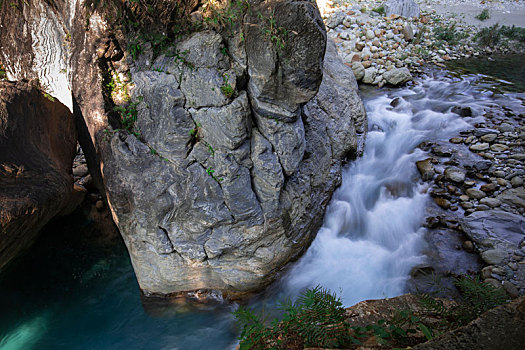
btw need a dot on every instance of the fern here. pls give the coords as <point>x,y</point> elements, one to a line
<point>316,319</point>
<point>478,296</point>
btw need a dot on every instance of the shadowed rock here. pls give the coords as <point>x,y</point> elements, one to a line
<point>37,146</point>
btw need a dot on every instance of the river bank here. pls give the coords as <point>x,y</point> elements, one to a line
<point>375,43</point>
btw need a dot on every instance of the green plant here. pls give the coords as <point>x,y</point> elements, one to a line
<point>195,131</point>
<point>477,297</point>
<point>380,10</point>
<point>449,34</point>
<point>227,15</point>
<point>396,331</point>
<point>3,73</point>
<point>134,49</point>
<point>49,97</point>
<point>491,36</point>
<point>211,150</point>
<point>276,34</point>
<point>484,15</point>
<point>180,58</point>
<point>210,171</point>
<point>226,87</point>
<point>128,116</point>
<point>316,319</point>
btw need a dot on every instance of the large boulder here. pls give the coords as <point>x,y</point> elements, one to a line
<point>405,8</point>
<point>226,173</point>
<point>37,147</point>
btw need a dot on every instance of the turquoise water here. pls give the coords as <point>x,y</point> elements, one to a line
<point>70,291</point>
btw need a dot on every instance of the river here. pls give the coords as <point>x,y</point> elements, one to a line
<point>70,291</point>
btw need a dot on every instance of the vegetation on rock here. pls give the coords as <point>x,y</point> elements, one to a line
<point>317,319</point>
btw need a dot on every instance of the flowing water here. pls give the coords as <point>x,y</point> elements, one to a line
<point>74,292</point>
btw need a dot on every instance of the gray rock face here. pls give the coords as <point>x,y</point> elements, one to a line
<point>215,190</point>
<point>37,147</point>
<point>405,8</point>
<point>397,76</point>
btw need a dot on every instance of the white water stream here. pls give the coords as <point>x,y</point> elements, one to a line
<point>372,235</point>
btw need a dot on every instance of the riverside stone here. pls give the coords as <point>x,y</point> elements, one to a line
<point>494,256</point>
<point>397,76</point>
<point>359,70</point>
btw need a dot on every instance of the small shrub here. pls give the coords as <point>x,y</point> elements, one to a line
<point>380,10</point>
<point>484,15</point>
<point>226,87</point>
<point>128,116</point>
<point>449,34</point>
<point>490,36</point>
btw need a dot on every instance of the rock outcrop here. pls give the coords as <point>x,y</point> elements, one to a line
<point>499,328</point>
<point>237,146</point>
<point>37,147</point>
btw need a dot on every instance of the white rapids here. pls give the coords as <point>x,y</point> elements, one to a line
<point>372,234</point>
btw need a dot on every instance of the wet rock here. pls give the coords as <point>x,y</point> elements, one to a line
<point>457,140</point>
<point>426,169</point>
<point>478,132</point>
<point>441,151</point>
<point>488,188</point>
<point>494,230</point>
<point>462,111</point>
<point>395,102</point>
<point>482,165</point>
<point>474,193</point>
<point>455,174</point>
<point>477,147</point>
<point>442,202</point>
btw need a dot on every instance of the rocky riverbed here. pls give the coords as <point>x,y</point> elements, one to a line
<point>384,42</point>
<point>477,187</point>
